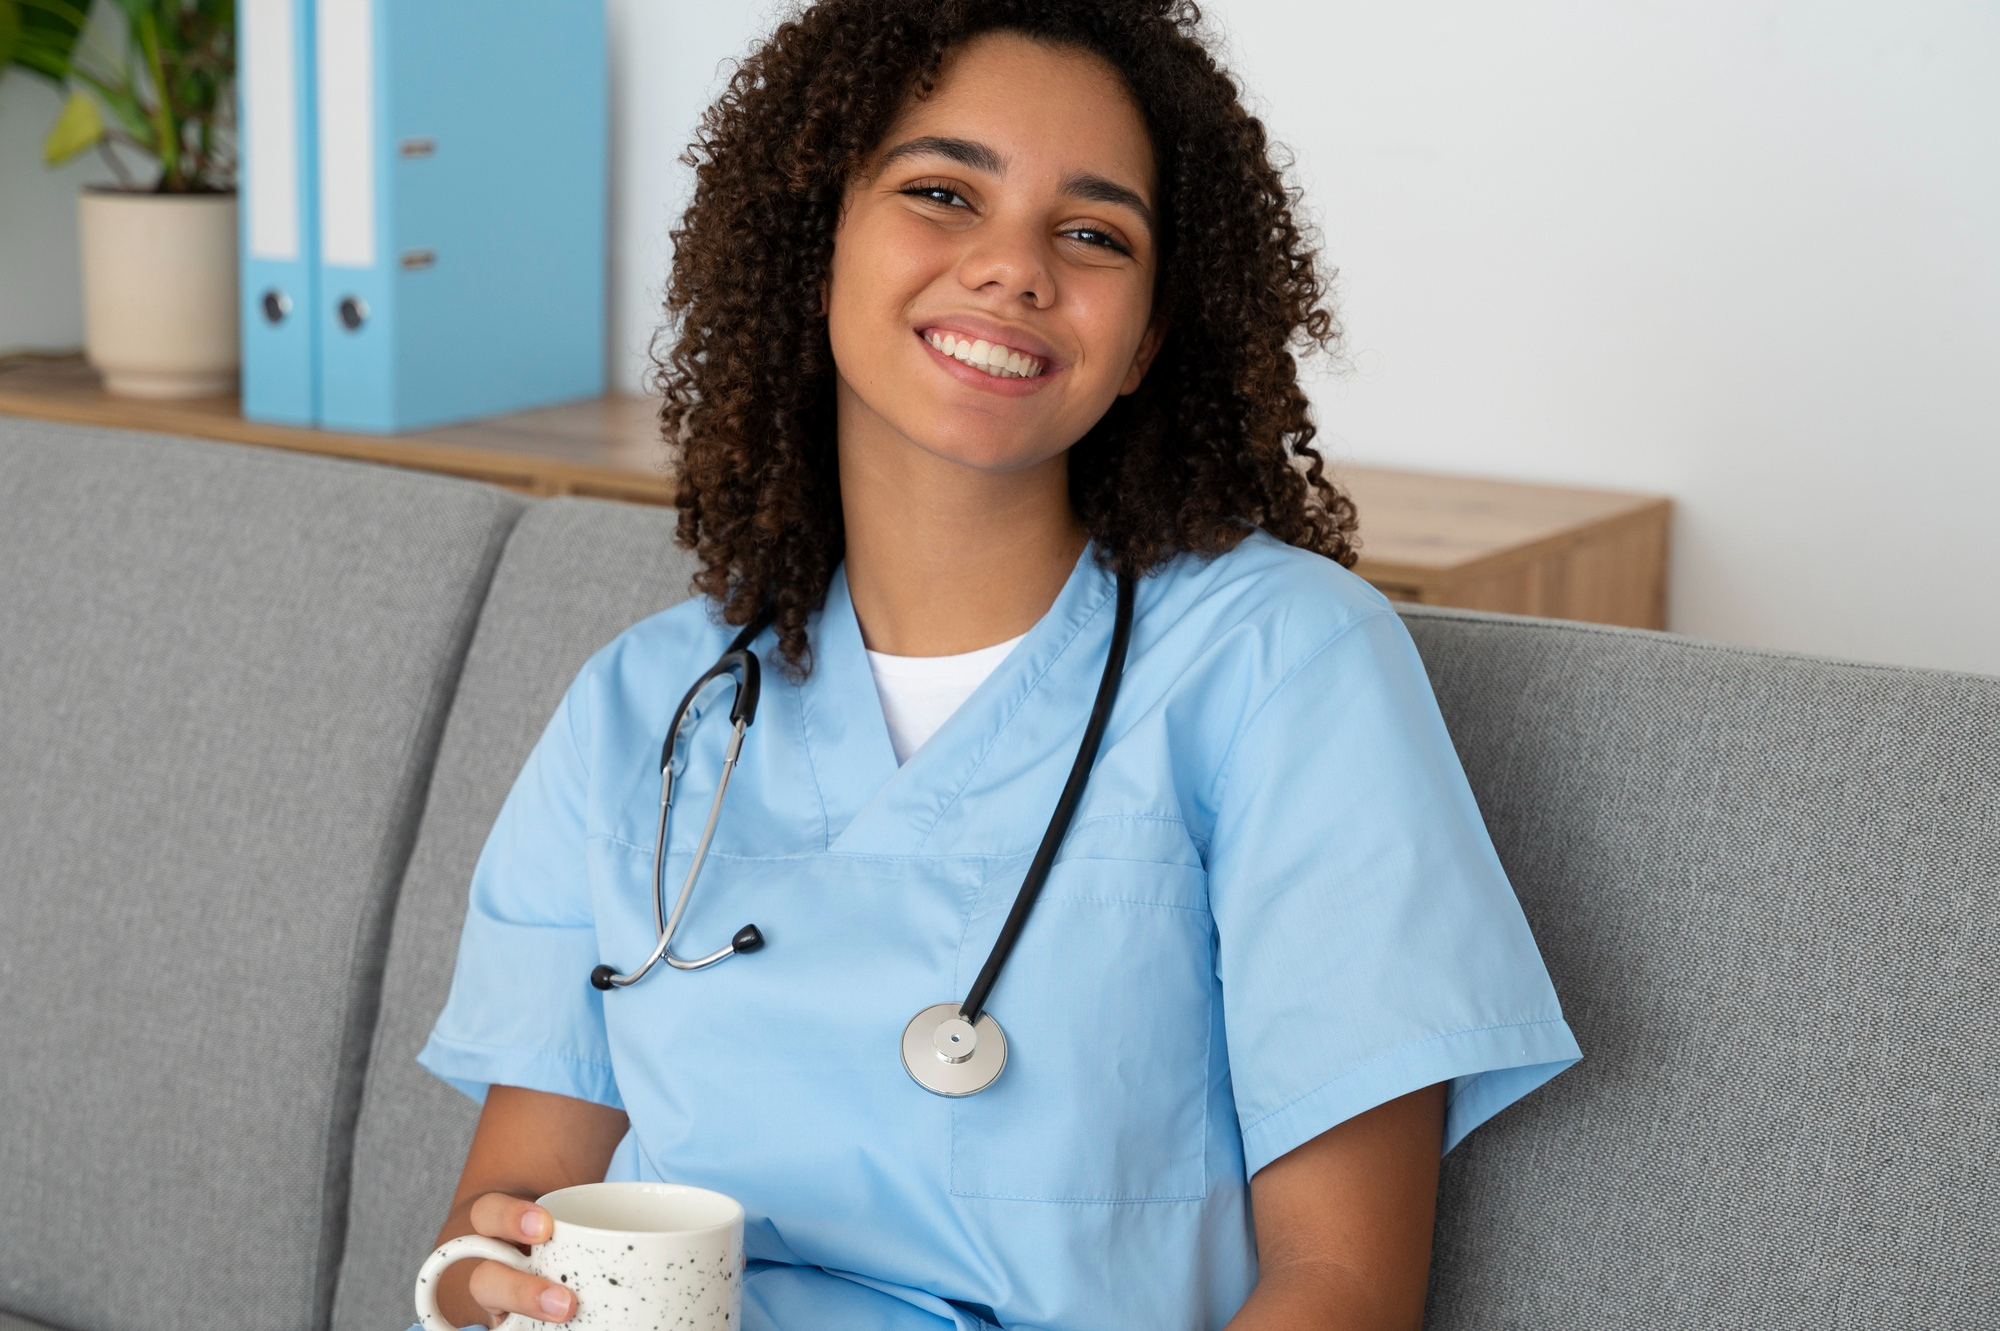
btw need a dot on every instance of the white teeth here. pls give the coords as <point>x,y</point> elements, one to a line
<point>1000,361</point>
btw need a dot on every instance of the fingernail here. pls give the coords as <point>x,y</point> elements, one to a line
<point>555,1302</point>
<point>534,1224</point>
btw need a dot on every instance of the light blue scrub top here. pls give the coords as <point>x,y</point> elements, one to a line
<point>1277,907</point>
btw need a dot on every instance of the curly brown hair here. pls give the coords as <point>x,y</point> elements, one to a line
<point>1216,441</point>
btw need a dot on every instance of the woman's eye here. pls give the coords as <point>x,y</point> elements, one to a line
<point>941,195</point>
<point>1102,239</point>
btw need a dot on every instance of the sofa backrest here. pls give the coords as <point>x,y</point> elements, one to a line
<point>574,574</point>
<point>223,673</point>
<point>1768,889</point>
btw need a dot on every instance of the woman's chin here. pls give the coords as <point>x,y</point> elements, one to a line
<point>987,454</point>
<point>986,441</point>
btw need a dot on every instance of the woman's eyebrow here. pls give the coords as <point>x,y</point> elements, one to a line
<point>1096,189</point>
<point>965,152</point>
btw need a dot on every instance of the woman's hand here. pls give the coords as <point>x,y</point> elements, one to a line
<point>499,1289</point>
<point>528,1144</point>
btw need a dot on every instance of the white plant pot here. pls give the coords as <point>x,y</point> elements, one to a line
<point>159,292</point>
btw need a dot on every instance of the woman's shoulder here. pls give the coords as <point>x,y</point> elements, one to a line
<point>1290,603</point>
<point>676,643</point>
<point>1276,652</point>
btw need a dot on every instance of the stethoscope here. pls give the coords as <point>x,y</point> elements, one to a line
<point>948,1048</point>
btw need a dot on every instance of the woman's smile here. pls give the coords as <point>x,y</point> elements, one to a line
<point>979,355</point>
<point>996,359</point>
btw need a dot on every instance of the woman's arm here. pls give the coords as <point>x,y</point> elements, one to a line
<point>528,1143</point>
<point>1344,1224</point>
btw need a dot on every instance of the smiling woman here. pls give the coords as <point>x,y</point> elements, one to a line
<point>981,380</point>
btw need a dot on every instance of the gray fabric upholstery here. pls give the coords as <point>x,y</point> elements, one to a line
<point>1768,888</point>
<point>9,1322</point>
<point>223,672</point>
<point>574,574</point>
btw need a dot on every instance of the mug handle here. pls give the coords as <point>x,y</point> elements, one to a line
<point>460,1249</point>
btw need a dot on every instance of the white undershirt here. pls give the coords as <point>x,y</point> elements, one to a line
<point>919,693</point>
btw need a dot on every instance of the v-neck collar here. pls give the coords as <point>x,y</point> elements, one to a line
<point>846,737</point>
<point>872,806</point>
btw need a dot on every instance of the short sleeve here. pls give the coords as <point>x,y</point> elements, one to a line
<point>1369,942</point>
<point>522,1011</point>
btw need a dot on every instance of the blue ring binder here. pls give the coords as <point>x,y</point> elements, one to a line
<point>425,196</point>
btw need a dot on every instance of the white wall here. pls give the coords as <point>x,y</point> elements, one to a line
<point>41,303</point>
<point>1746,254</point>
<point>668,61</point>
<point>1743,252</point>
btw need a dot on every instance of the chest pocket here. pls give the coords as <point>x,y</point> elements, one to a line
<point>1108,1003</point>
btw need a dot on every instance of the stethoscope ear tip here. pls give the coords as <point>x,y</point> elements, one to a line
<point>748,939</point>
<point>601,977</point>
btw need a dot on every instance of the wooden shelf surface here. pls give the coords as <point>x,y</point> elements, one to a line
<point>606,446</point>
<point>1427,537</point>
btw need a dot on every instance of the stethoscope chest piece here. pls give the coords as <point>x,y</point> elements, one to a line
<point>947,1055</point>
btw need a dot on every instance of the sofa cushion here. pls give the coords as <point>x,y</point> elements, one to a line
<point>224,673</point>
<point>575,573</point>
<point>9,1322</point>
<point>1768,889</point>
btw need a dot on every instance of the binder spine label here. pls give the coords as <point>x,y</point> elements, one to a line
<point>347,132</point>
<point>270,119</point>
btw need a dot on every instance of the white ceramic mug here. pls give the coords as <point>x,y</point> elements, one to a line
<point>638,1256</point>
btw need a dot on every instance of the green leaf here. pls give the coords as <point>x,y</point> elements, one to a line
<point>166,126</point>
<point>119,100</point>
<point>10,31</point>
<point>78,127</point>
<point>48,34</point>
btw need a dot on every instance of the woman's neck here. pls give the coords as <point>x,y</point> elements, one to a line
<point>945,558</point>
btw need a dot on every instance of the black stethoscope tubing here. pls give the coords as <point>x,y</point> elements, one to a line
<point>1072,795</point>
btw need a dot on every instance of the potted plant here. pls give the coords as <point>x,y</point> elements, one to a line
<point>159,256</point>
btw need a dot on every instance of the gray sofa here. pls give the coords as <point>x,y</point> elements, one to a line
<point>257,712</point>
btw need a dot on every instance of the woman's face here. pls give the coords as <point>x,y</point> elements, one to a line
<point>992,284</point>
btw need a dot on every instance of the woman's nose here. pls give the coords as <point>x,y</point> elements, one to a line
<point>1011,261</point>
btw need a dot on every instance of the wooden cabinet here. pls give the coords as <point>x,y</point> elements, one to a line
<point>1521,549</point>
<point>1426,537</point>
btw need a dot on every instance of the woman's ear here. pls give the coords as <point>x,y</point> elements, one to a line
<point>1142,359</point>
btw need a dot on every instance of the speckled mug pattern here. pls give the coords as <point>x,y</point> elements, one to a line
<point>638,1283</point>
<point>679,1267</point>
